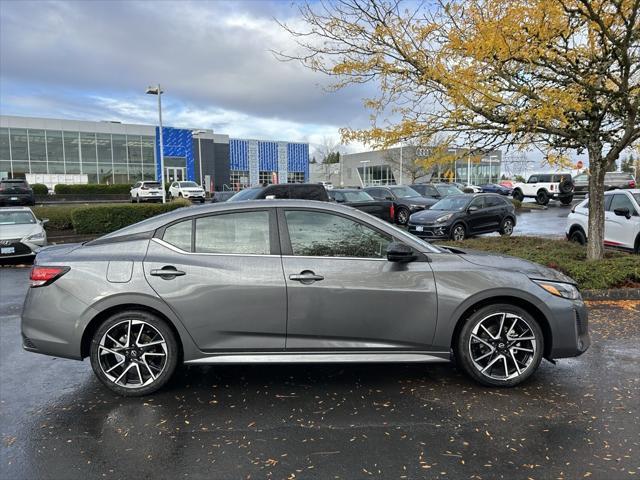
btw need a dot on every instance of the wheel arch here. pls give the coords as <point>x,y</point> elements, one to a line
<point>531,308</point>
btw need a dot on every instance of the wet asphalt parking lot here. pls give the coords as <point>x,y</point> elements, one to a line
<point>577,419</point>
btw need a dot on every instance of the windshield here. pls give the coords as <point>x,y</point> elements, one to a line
<point>16,218</point>
<point>246,194</point>
<point>188,184</point>
<point>452,204</point>
<point>404,192</point>
<point>446,190</point>
<point>356,196</point>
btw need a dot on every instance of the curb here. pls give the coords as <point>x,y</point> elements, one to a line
<point>612,294</point>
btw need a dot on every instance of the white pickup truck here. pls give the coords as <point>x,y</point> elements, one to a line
<point>544,187</point>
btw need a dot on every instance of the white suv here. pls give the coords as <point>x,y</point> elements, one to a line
<point>544,187</point>
<point>621,220</point>
<point>190,190</point>
<point>146,192</point>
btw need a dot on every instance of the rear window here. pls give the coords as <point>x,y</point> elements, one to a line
<point>357,196</point>
<point>246,194</point>
<point>151,184</point>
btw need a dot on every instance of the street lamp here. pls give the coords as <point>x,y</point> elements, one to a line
<point>364,162</point>
<point>158,91</point>
<point>198,132</point>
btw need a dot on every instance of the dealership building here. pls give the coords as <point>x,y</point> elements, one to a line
<point>51,151</point>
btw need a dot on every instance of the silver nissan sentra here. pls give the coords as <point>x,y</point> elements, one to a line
<point>285,281</point>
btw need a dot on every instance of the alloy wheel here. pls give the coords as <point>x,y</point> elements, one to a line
<point>507,227</point>
<point>458,233</point>
<point>502,346</point>
<point>403,216</point>
<point>132,354</point>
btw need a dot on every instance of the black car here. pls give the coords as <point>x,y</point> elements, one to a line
<point>405,200</point>
<point>436,190</point>
<point>495,188</point>
<point>296,191</point>
<point>222,196</point>
<point>361,200</point>
<point>461,216</point>
<point>16,191</point>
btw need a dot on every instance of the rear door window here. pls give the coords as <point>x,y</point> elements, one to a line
<point>234,233</point>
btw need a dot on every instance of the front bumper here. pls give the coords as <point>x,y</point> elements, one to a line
<point>17,248</point>
<point>569,329</point>
<point>429,231</point>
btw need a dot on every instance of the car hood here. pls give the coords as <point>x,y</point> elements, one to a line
<point>9,232</point>
<point>513,264</point>
<point>429,216</point>
<point>427,202</point>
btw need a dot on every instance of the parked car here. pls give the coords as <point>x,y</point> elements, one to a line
<point>621,220</point>
<point>436,190</point>
<point>612,181</point>
<point>544,187</point>
<point>495,188</point>
<point>468,188</point>
<point>461,216</point>
<point>352,197</point>
<point>146,191</point>
<point>327,185</point>
<point>16,191</point>
<point>21,233</point>
<point>405,200</point>
<point>291,281</point>
<point>188,190</point>
<point>300,191</point>
<point>506,183</point>
<point>222,196</point>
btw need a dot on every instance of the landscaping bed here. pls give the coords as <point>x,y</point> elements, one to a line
<point>615,270</point>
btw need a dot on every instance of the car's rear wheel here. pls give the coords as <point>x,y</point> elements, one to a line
<point>134,353</point>
<point>518,195</point>
<point>402,217</point>
<point>578,236</point>
<point>542,198</point>
<point>500,345</point>
<point>506,229</point>
<point>458,232</point>
<point>566,200</point>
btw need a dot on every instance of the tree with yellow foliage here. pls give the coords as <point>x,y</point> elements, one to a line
<point>559,74</point>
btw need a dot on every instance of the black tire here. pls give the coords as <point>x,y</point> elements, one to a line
<point>402,216</point>
<point>463,345</point>
<point>518,195</point>
<point>578,236</point>
<point>566,200</point>
<point>458,232</point>
<point>133,200</point>
<point>542,197</point>
<point>506,229</point>
<point>566,186</point>
<point>137,198</point>
<point>636,250</point>
<point>170,360</point>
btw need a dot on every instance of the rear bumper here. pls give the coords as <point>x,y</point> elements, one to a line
<point>17,199</point>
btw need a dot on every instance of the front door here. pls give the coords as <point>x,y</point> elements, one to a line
<point>480,219</point>
<point>222,275</point>
<point>619,231</point>
<point>343,294</point>
<point>174,174</point>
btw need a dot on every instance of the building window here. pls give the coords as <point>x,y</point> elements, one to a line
<point>37,148</point>
<point>295,177</point>
<point>239,179</point>
<point>376,175</point>
<point>265,177</point>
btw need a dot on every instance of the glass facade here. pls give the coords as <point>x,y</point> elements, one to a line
<point>103,157</point>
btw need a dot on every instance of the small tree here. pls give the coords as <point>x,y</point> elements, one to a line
<point>562,74</point>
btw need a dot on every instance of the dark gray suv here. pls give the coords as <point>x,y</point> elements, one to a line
<point>279,281</point>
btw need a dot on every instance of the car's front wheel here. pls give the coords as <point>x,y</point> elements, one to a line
<point>578,236</point>
<point>458,232</point>
<point>500,345</point>
<point>506,229</point>
<point>134,353</point>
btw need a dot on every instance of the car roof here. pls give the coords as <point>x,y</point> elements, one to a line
<point>622,190</point>
<point>15,209</point>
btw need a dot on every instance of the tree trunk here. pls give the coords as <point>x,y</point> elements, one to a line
<point>597,169</point>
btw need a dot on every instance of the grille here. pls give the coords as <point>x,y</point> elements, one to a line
<point>582,323</point>
<point>20,248</point>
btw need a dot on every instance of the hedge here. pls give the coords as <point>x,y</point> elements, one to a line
<point>616,269</point>
<point>102,219</point>
<point>93,188</point>
<point>59,216</point>
<point>39,189</point>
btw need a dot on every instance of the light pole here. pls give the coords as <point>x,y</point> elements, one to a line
<point>400,164</point>
<point>158,91</point>
<point>364,162</point>
<point>198,132</point>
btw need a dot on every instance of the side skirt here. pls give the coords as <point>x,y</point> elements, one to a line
<point>323,357</point>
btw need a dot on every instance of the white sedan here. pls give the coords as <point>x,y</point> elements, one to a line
<point>21,233</point>
<point>190,190</point>
<point>146,192</point>
<point>621,220</point>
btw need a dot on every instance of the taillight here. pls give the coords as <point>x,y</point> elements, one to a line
<point>552,187</point>
<point>41,276</point>
<point>392,212</point>
<point>632,184</point>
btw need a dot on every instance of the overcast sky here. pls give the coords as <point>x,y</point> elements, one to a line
<point>93,60</point>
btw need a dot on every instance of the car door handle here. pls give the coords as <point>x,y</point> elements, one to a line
<point>306,276</point>
<point>167,273</point>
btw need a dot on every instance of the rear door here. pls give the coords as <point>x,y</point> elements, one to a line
<point>479,220</point>
<point>222,275</point>
<point>496,209</point>
<point>343,294</point>
<point>620,231</point>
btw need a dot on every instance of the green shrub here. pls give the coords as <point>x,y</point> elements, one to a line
<point>93,189</point>
<point>516,203</point>
<point>59,216</point>
<point>615,270</point>
<point>40,189</point>
<point>102,219</point>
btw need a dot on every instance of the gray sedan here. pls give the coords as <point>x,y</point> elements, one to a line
<point>292,281</point>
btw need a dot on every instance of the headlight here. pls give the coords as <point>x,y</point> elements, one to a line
<point>444,218</point>
<point>36,236</point>
<point>564,290</point>
<point>416,206</point>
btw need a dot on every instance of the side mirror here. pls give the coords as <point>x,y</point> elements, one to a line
<point>622,212</point>
<point>339,200</point>
<point>44,220</point>
<point>473,208</point>
<point>401,253</point>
